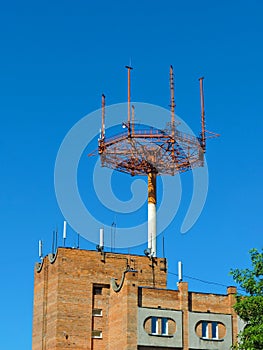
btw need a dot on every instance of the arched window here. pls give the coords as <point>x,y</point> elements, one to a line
<point>212,330</point>
<point>160,326</point>
<point>154,322</point>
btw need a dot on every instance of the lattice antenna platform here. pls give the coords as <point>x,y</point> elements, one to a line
<point>142,150</point>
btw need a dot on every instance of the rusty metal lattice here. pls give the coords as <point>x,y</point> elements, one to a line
<point>141,150</point>
<point>151,150</point>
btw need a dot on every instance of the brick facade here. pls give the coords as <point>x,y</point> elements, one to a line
<point>106,301</point>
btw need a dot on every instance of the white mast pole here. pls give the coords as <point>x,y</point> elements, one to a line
<point>152,213</point>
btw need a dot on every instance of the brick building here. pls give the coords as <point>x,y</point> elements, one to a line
<point>95,300</point>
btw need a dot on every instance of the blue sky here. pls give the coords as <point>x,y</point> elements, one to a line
<point>57,57</point>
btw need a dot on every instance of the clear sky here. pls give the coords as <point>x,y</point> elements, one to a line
<point>57,57</point>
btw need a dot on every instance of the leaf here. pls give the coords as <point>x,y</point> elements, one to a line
<point>250,307</point>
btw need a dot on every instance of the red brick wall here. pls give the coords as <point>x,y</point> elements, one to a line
<point>45,307</point>
<point>186,301</point>
<point>63,299</point>
<point>163,298</point>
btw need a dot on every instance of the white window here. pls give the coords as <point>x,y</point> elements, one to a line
<point>164,323</point>
<point>204,329</point>
<point>214,330</point>
<point>97,312</point>
<point>96,334</point>
<point>154,325</point>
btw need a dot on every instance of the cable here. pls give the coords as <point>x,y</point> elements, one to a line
<point>203,281</point>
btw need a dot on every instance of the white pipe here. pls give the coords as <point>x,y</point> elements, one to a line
<point>152,228</point>
<point>180,271</point>
<point>65,230</point>
<point>40,249</point>
<point>101,237</point>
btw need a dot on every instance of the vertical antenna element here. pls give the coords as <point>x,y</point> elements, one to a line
<point>172,97</point>
<point>180,271</point>
<point>101,238</point>
<point>172,106</point>
<point>133,110</point>
<point>102,116</point>
<point>40,246</point>
<point>203,137</point>
<point>113,234</point>
<point>129,99</point>
<point>64,233</point>
<point>53,243</point>
<point>56,239</point>
<point>163,247</point>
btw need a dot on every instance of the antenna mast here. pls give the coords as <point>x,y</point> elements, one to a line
<point>100,246</point>
<point>102,116</point>
<point>202,100</point>
<point>180,271</point>
<point>172,98</point>
<point>133,110</point>
<point>40,247</point>
<point>64,233</point>
<point>129,100</point>
<point>150,151</point>
<point>152,213</point>
<point>172,106</point>
<point>53,242</point>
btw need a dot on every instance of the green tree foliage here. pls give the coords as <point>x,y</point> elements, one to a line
<point>250,306</point>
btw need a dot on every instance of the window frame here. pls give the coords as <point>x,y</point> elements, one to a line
<point>205,330</point>
<point>154,325</point>
<point>164,326</point>
<point>97,290</point>
<point>96,312</point>
<point>94,336</point>
<point>214,330</point>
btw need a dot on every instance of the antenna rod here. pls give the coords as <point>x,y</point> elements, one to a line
<point>203,138</point>
<point>40,254</point>
<point>56,239</point>
<point>114,235</point>
<point>129,99</point>
<point>101,238</point>
<point>102,116</point>
<point>64,233</point>
<point>172,96</point>
<point>133,108</point>
<point>180,271</point>
<point>53,242</point>
<point>163,248</point>
<point>172,107</point>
